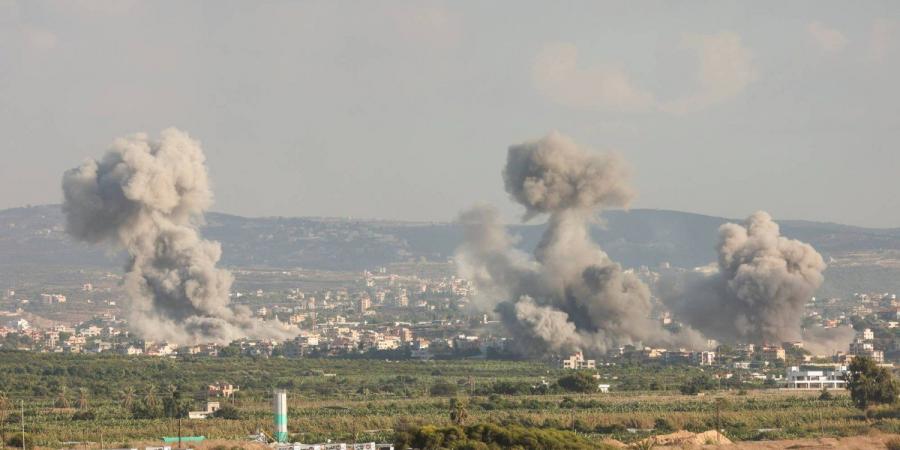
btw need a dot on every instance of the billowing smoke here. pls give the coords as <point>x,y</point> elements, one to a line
<point>822,341</point>
<point>570,295</point>
<point>760,289</point>
<point>148,198</point>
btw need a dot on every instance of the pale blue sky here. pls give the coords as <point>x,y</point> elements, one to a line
<point>404,110</point>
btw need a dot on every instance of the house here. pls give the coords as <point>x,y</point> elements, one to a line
<point>772,353</point>
<point>211,408</point>
<point>221,390</point>
<point>576,361</point>
<point>824,378</point>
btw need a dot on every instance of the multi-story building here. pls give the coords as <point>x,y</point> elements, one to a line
<point>705,358</point>
<point>815,378</point>
<point>577,361</point>
<point>772,353</point>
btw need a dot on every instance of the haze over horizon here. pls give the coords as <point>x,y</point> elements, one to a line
<point>405,112</point>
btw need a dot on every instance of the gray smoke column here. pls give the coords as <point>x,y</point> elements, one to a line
<point>569,295</point>
<point>760,289</point>
<point>148,198</point>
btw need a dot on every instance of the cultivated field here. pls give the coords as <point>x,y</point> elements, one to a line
<point>71,399</point>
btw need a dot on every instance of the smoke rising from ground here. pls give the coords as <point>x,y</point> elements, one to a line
<point>759,292</point>
<point>148,198</point>
<point>822,341</point>
<point>570,295</point>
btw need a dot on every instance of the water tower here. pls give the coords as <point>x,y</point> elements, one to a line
<point>280,406</point>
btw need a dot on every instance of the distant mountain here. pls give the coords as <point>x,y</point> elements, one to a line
<point>860,258</point>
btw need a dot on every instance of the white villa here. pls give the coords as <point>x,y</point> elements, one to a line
<point>825,377</point>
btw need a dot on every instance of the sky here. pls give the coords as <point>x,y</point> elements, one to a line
<point>404,110</point>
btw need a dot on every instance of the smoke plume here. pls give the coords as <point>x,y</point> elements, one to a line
<point>760,289</point>
<point>148,198</point>
<point>822,341</point>
<point>570,295</point>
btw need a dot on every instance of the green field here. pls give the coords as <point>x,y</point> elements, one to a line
<point>366,400</point>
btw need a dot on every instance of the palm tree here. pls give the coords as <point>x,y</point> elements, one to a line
<point>61,399</point>
<point>458,413</point>
<point>150,397</point>
<point>82,398</point>
<point>127,398</point>
<point>4,404</point>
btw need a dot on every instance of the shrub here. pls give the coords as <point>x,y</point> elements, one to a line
<point>580,381</point>
<point>228,412</point>
<point>16,441</point>
<point>698,384</point>
<point>443,389</point>
<point>663,424</point>
<point>83,415</point>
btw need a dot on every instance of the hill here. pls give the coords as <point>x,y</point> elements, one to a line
<point>860,259</point>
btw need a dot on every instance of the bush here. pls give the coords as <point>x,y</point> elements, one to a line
<point>16,441</point>
<point>580,381</point>
<point>698,384</point>
<point>663,424</point>
<point>83,415</point>
<point>227,412</point>
<point>443,389</point>
<point>484,436</point>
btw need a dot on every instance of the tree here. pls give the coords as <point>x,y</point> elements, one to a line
<point>82,398</point>
<point>458,413</point>
<point>150,399</point>
<point>698,384</point>
<point>62,401</point>
<point>4,406</point>
<point>870,384</point>
<point>127,398</point>
<point>174,406</point>
<point>580,381</point>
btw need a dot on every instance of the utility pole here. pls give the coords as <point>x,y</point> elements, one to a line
<point>22,404</point>
<point>718,426</point>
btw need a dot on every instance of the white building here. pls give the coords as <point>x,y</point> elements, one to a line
<point>705,358</point>
<point>22,325</point>
<point>827,378</point>
<point>577,361</point>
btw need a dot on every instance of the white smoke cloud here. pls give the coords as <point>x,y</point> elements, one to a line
<point>826,38</point>
<point>557,74</point>
<point>725,68</point>
<point>148,198</point>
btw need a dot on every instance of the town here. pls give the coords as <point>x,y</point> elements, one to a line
<point>405,314</point>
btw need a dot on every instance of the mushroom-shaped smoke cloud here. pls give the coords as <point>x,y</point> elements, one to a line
<point>148,197</point>
<point>570,295</point>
